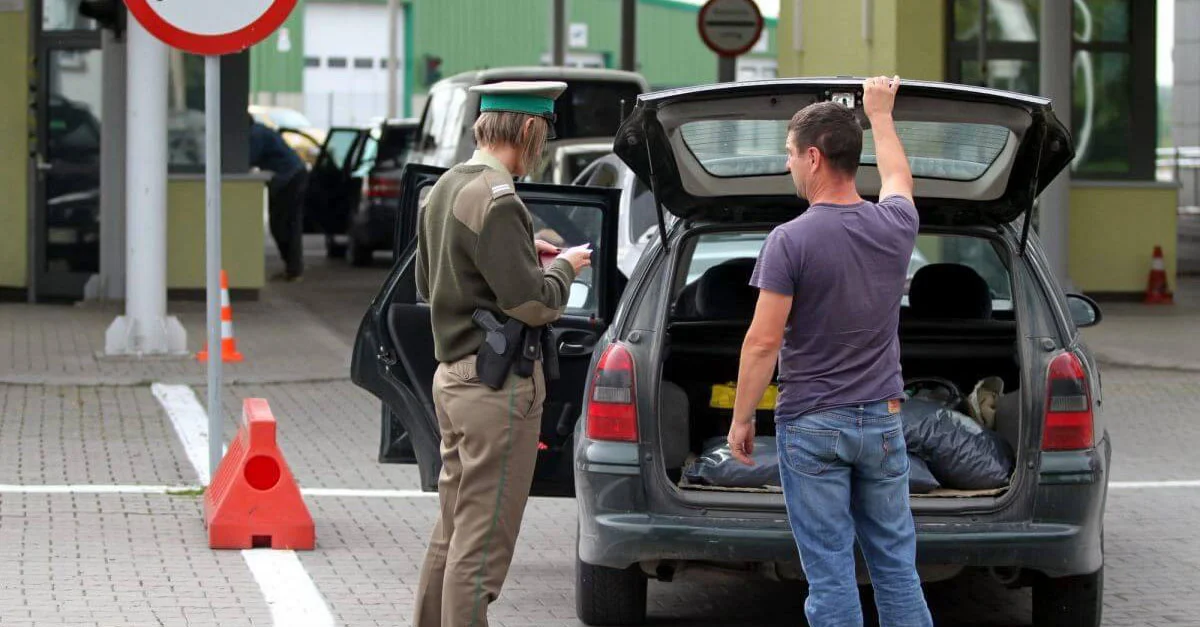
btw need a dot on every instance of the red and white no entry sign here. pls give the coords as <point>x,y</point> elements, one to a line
<point>211,27</point>
<point>730,27</point>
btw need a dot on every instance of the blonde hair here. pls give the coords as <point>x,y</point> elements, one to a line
<point>503,128</point>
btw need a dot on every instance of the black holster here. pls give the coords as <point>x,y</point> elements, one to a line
<point>512,346</point>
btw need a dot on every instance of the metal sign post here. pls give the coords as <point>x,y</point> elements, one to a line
<point>730,28</point>
<point>212,28</point>
<point>212,270</point>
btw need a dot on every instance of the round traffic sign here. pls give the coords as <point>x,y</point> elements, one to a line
<point>730,27</point>
<point>211,27</point>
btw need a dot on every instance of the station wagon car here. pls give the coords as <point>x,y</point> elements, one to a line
<point>634,406</point>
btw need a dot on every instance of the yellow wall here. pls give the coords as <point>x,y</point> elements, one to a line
<point>242,203</point>
<point>907,39</point>
<point>1113,231</point>
<point>14,135</point>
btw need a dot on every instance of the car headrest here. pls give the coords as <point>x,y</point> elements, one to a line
<point>724,292</point>
<point>949,290</point>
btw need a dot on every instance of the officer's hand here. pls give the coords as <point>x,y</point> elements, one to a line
<point>580,257</point>
<point>879,95</point>
<point>545,248</point>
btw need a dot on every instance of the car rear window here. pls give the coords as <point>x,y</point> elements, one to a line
<point>938,150</point>
<point>979,254</point>
<point>593,108</point>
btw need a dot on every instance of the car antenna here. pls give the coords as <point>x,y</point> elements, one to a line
<point>662,221</point>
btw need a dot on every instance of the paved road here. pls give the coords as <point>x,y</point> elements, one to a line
<point>142,559</point>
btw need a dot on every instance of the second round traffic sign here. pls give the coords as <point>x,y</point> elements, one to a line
<point>211,27</point>
<point>730,27</point>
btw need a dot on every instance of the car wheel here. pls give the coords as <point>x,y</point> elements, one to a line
<point>1075,601</point>
<point>334,250</point>
<point>608,596</point>
<point>360,256</point>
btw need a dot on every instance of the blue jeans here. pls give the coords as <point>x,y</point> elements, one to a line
<point>845,473</point>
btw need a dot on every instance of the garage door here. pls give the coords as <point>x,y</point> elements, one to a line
<point>345,62</point>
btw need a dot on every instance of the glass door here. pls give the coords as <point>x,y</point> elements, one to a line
<point>66,233</point>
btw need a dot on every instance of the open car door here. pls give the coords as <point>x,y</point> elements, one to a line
<point>394,356</point>
<point>332,192</point>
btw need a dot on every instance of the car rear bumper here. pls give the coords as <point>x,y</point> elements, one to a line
<point>1065,537</point>
<point>620,540</point>
<point>374,226</point>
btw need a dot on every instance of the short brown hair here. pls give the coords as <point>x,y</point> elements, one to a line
<point>503,128</point>
<point>831,128</point>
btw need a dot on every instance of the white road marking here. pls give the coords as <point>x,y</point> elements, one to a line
<point>191,423</point>
<point>192,489</point>
<point>394,494</point>
<point>287,588</point>
<point>1142,485</point>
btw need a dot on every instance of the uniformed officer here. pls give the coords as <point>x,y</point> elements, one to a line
<point>476,250</point>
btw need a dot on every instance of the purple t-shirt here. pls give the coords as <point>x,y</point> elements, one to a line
<point>844,266</point>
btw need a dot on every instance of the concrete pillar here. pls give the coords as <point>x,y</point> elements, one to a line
<point>1055,77</point>
<point>145,329</point>
<point>109,284</point>
<point>629,35</point>
<point>558,32</point>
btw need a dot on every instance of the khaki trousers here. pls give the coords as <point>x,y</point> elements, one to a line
<point>489,448</point>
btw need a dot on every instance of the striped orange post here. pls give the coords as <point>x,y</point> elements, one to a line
<point>229,351</point>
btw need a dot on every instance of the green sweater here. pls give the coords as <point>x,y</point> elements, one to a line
<point>475,251</point>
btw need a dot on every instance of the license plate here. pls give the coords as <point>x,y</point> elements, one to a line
<point>723,395</point>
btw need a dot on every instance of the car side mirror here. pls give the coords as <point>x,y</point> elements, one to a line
<point>1084,311</point>
<point>580,294</point>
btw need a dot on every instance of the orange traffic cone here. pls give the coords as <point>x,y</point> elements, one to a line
<point>229,351</point>
<point>1157,292</point>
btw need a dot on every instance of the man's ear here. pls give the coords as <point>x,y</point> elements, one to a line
<point>527,128</point>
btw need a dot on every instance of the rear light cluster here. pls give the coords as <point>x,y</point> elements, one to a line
<point>380,188</point>
<point>1069,420</point>
<point>612,407</point>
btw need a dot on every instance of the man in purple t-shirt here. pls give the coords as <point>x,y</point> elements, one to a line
<point>830,284</point>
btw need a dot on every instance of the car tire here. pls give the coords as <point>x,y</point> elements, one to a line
<point>1076,601</point>
<point>360,256</point>
<point>334,250</point>
<point>609,596</point>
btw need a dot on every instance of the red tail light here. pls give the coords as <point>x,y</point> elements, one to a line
<point>1069,420</point>
<point>382,188</point>
<point>612,408</point>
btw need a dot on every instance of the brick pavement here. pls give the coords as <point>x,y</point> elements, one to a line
<point>141,559</point>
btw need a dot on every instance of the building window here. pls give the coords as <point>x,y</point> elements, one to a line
<point>312,61</point>
<point>364,63</point>
<point>1113,59</point>
<point>336,62</point>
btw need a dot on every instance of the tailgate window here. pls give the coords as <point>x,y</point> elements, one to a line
<point>935,150</point>
<point>978,254</point>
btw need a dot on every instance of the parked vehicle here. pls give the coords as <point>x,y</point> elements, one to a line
<point>640,362</point>
<point>299,133</point>
<point>591,108</point>
<point>387,148</point>
<point>567,160</point>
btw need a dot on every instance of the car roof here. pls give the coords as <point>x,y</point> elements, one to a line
<point>535,72</point>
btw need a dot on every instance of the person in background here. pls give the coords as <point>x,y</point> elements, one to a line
<point>289,180</point>
<point>830,285</point>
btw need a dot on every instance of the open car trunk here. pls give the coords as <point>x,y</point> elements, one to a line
<point>957,329</point>
<point>700,374</point>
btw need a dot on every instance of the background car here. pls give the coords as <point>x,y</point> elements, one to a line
<point>296,129</point>
<point>386,149</point>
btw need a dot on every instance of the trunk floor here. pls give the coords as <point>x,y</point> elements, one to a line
<point>939,493</point>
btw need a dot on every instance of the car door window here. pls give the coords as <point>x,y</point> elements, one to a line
<point>605,175</point>
<point>566,226</point>
<point>435,117</point>
<point>338,146</point>
<point>451,129</point>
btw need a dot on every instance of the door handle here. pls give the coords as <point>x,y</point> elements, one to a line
<point>569,349</point>
<point>43,166</point>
